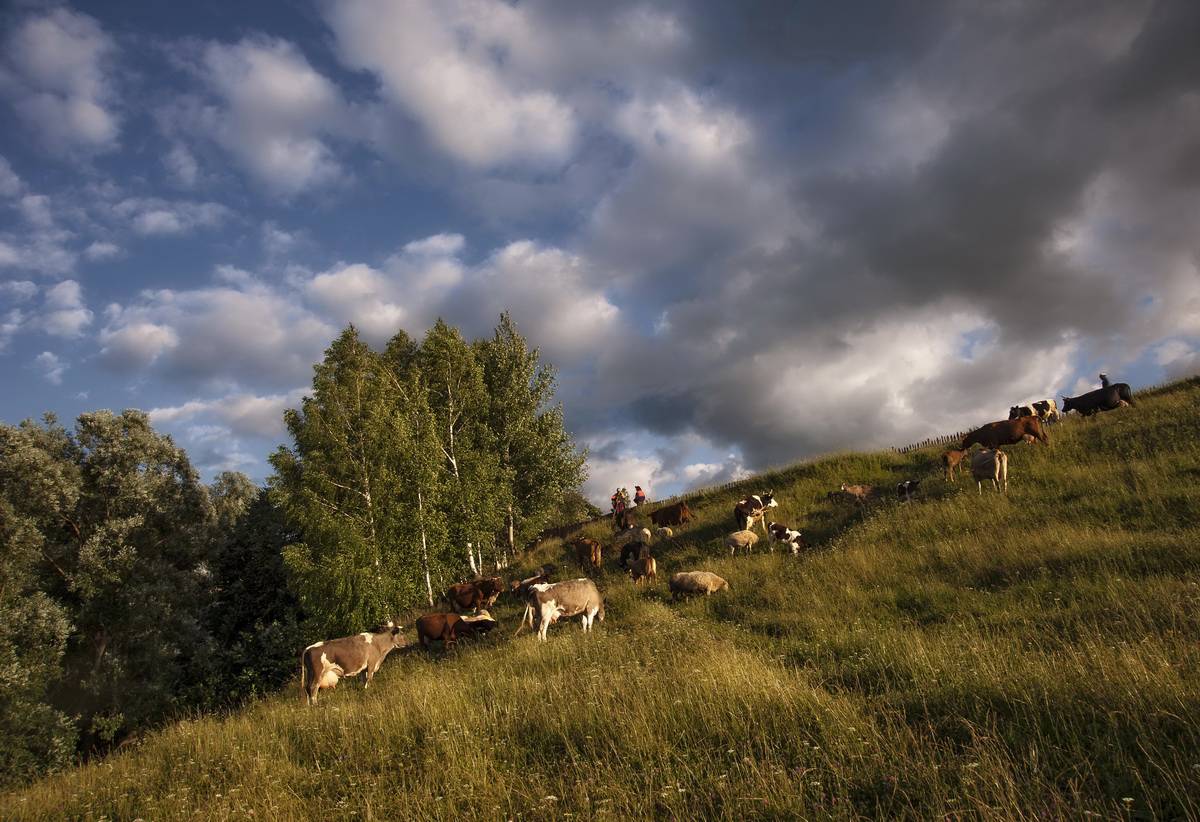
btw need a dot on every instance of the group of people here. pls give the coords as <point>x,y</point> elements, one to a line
<point>621,501</point>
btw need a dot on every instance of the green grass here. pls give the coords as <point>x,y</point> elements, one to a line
<point>1022,657</point>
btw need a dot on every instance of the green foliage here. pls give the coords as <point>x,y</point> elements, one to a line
<point>1033,656</point>
<point>121,527</point>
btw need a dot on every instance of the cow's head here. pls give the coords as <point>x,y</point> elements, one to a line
<point>768,500</point>
<point>1068,404</point>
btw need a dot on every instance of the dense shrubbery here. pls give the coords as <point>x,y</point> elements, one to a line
<point>130,592</point>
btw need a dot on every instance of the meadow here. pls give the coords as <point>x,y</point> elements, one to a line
<point>1028,656</point>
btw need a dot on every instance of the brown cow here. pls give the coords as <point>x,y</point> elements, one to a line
<point>676,515</point>
<point>1006,432</point>
<point>473,595</point>
<point>449,628</point>
<point>644,569</point>
<point>323,664</point>
<point>952,461</point>
<point>587,552</point>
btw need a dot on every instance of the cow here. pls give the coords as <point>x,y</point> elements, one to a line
<point>588,552</point>
<point>520,589</point>
<point>323,664</point>
<point>448,628</point>
<point>473,595</point>
<point>1108,398</point>
<point>1046,411</point>
<point>990,465</point>
<point>574,597</point>
<point>631,551</point>
<point>741,539</point>
<point>1005,432</point>
<point>1122,388</point>
<point>1018,411</point>
<point>794,540</point>
<point>623,519</point>
<point>753,509</point>
<point>686,583</point>
<point>905,490</point>
<point>672,515</point>
<point>631,535</point>
<point>951,461</point>
<point>644,568</point>
<point>859,493</point>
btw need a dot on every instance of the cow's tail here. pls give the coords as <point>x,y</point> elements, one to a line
<point>303,678</point>
<point>1126,394</point>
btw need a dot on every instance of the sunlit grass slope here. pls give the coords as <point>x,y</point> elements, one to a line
<point>1023,657</point>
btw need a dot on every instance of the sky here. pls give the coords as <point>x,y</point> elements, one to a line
<point>744,234</point>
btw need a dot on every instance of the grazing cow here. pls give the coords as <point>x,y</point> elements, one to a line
<point>664,532</point>
<point>1005,432</point>
<point>587,552</point>
<point>644,568</point>
<point>741,539</point>
<point>753,509</point>
<point>624,519</point>
<point>324,663</point>
<point>859,493</point>
<point>1018,411</point>
<point>473,595</point>
<point>1108,398</point>
<point>991,465</point>
<point>794,540</point>
<point>686,583</point>
<point>449,628</point>
<point>1046,410</point>
<point>905,490</point>
<point>575,597</point>
<point>951,461</point>
<point>676,515</point>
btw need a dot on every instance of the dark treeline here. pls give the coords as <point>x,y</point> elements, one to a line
<point>131,592</point>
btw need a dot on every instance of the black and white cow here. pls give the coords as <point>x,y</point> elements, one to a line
<point>753,509</point>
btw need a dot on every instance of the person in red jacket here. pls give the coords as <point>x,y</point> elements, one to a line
<point>639,496</point>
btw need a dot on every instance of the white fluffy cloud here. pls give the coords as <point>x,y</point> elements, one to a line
<point>51,366</point>
<point>65,314</point>
<point>440,63</point>
<point>244,414</point>
<point>274,114</point>
<point>155,216</point>
<point>58,78</point>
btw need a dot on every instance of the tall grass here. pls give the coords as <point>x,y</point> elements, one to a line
<point>1022,657</point>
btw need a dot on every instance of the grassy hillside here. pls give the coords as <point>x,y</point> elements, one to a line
<point>1028,656</point>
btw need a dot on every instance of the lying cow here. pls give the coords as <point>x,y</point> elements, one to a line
<point>323,664</point>
<point>1109,398</point>
<point>753,509</point>
<point>990,465</point>
<point>687,583</point>
<point>951,461</point>
<point>471,596</point>
<point>859,493</point>
<point>644,568</point>
<point>588,553</point>
<point>449,628</point>
<point>574,597</point>
<point>1006,432</point>
<point>676,515</point>
<point>779,532</point>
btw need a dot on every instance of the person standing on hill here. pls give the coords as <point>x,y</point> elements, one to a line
<point>639,496</point>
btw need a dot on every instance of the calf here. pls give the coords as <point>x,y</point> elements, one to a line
<point>1006,432</point>
<point>574,597</point>
<point>632,551</point>
<point>588,553</point>
<point>990,465</point>
<point>859,493</point>
<point>323,664</point>
<point>906,489</point>
<point>950,461</point>
<point>753,509</point>
<point>792,539</point>
<point>644,568</point>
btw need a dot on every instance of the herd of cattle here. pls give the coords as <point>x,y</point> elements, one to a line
<point>323,664</point>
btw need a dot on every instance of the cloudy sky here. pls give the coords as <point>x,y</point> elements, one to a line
<point>745,233</point>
